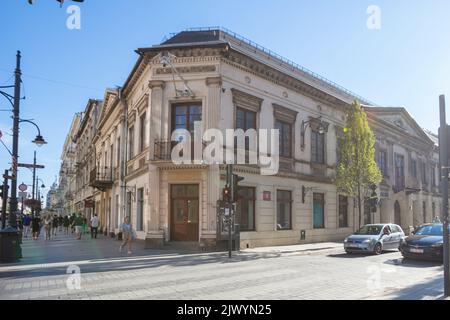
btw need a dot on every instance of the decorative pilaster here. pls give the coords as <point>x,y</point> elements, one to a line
<point>155,114</point>
<point>212,108</point>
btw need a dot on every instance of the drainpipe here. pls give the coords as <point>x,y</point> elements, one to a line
<point>123,165</point>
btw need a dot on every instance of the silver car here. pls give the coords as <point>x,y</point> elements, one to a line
<point>374,238</point>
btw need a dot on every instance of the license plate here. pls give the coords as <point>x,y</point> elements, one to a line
<point>413,250</point>
<point>353,245</point>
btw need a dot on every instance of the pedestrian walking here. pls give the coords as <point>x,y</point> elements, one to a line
<point>26,225</point>
<point>72,222</point>
<point>94,226</point>
<point>85,225</point>
<point>128,235</point>
<point>55,224</point>
<point>48,226</point>
<point>35,226</point>
<point>78,224</point>
<point>66,224</point>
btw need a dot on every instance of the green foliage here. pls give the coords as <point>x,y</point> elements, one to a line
<point>357,169</point>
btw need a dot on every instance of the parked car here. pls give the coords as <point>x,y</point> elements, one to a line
<point>426,242</point>
<point>375,238</point>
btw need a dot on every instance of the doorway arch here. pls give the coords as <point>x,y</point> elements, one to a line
<point>397,213</point>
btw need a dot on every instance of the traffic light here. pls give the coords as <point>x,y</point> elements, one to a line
<point>235,187</point>
<point>226,194</point>
<point>4,196</point>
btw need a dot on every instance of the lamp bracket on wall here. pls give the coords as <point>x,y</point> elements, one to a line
<point>166,58</point>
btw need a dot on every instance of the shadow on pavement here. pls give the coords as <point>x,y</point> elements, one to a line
<point>345,255</point>
<point>136,262</point>
<point>411,263</point>
<point>430,289</point>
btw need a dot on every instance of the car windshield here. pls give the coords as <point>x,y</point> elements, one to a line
<point>431,230</point>
<point>369,230</point>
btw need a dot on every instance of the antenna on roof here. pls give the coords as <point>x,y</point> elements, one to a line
<point>166,58</point>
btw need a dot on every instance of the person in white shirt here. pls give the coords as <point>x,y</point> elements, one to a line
<point>94,226</point>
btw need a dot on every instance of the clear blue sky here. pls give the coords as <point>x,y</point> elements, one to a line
<point>405,63</point>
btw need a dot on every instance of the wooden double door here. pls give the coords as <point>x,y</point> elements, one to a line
<point>184,212</point>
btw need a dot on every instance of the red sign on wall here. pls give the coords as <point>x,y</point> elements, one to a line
<point>88,203</point>
<point>267,195</point>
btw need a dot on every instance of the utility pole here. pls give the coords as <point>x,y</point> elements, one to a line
<point>443,159</point>
<point>229,204</point>
<point>15,147</point>
<point>34,179</point>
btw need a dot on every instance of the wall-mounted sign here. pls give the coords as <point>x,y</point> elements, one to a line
<point>267,195</point>
<point>88,203</point>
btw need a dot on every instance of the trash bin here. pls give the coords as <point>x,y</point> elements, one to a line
<point>10,249</point>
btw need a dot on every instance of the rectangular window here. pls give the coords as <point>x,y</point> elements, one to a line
<point>339,142</point>
<point>142,132</point>
<point>129,203</point>
<point>317,147</point>
<point>424,211</point>
<point>284,210</point>
<point>433,210</point>
<point>185,115</point>
<point>399,172</point>
<point>140,210</point>
<point>246,208</point>
<point>382,162</point>
<point>318,210</point>
<point>245,120</point>
<point>414,168</point>
<point>117,211</point>
<point>118,153</point>
<point>433,176</point>
<point>343,211</point>
<point>130,142</point>
<point>285,140</point>
<point>424,173</point>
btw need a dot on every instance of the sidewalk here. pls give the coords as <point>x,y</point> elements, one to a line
<point>65,248</point>
<point>307,248</point>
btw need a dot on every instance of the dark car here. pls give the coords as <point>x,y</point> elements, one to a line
<point>426,243</point>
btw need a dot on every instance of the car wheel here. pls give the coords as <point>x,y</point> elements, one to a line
<point>378,249</point>
<point>348,252</point>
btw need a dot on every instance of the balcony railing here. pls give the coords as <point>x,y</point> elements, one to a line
<point>399,184</point>
<point>163,150</point>
<point>101,179</point>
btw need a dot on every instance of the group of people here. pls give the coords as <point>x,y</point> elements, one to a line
<point>76,223</point>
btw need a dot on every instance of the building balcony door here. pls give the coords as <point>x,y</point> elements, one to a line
<point>184,212</point>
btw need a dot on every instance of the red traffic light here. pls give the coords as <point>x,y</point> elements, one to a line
<point>226,194</point>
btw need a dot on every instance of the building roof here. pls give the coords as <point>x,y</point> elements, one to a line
<point>433,136</point>
<point>198,37</point>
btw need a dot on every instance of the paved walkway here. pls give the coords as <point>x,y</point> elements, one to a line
<point>316,271</point>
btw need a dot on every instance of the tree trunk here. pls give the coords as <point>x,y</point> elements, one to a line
<point>359,205</point>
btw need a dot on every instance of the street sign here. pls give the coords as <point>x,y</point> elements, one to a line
<point>23,187</point>
<point>23,195</point>
<point>30,166</point>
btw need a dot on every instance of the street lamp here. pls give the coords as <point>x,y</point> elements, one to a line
<point>321,128</point>
<point>39,140</point>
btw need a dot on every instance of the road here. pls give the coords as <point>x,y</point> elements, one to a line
<point>323,271</point>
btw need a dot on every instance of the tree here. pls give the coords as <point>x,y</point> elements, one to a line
<point>357,170</point>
